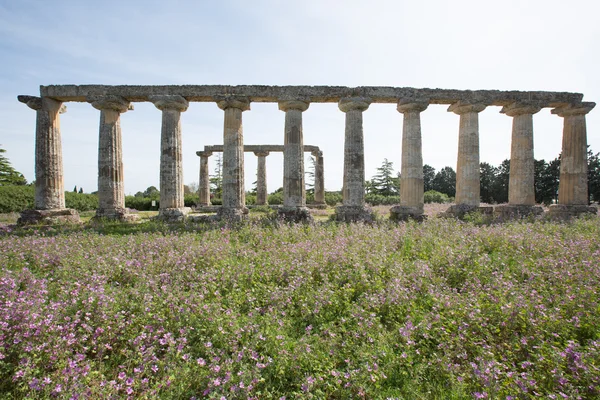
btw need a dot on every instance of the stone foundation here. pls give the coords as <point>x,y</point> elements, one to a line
<point>562,212</point>
<point>510,212</point>
<point>173,214</point>
<point>460,210</point>
<point>354,214</point>
<point>49,217</point>
<point>119,214</point>
<point>406,213</point>
<point>295,214</point>
<point>232,214</point>
<point>318,206</point>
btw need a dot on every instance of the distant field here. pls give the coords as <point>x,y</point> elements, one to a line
<point>439,310</point>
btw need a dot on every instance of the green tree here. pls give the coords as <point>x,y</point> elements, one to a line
<point>428,176</point>
<point>500,187</point>
<point>487,180</point>
<point>8,175</point>
<point>216,180</point>
<point>384,183</point>
<point>310,175</point>
<point>152,192</point>
<point>445,181</point>
<point>593,176</point>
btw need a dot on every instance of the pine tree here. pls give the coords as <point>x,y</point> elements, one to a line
<point>384,183</point>
<point>216,180</point>
<point>8,175</point>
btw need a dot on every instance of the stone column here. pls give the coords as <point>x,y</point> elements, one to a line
<point>467,169</point>
<point>172,207</point>
<point>411,178</point>
<point>111,192</point>
<point>294,191</point>
<point>319,178</point>
<point>261,178</point>
<point>204,181</point>
<point>353,208</point>
<point>49,182</point>
<point>521,189</point>
<point>573,185</point>
<point>234,195</point>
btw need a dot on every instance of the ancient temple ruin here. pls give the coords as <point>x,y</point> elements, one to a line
<point>294,101</point>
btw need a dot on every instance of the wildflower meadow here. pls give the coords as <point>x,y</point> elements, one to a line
<point>438,310</point>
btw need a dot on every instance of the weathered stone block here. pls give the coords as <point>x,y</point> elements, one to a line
<point>354,214</point>
<point>510,212</point>
<point>406,213</point>
<point>295,214</point>
<point>49,217</point>
<point>563,212</point>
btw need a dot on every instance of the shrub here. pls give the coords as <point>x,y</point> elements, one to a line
<point>81,201</point>
<point>275,198</point>
<point>16,198</point>
<point>333,198</point>
<point>250,199</point>
<point>432,196</point>
<point>378,200</point>
<point>140,203</point>
<point>190,199</point>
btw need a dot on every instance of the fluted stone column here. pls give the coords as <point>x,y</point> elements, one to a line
<point>467,169</point>
<point>111,191</point>
<point>319,178</point>
<point>261,178</point>
<point>294,191</point>
<point>234,196</point>
<point>49,200</point>
<point>204,180</point>
<point>353,208</point>
<point>521,188</point>
<point>171,163</point>
<point>411,178</point>
<point>573,185</point>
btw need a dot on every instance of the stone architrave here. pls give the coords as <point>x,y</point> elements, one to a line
<point>172,207</point>
<point>234,196</point>
<point>319,178</point>
<point>111,191</point>
<point>411,178</point>
<point>467,169</point>
<point>49,199</point>
<point>294,192</point>
<point>353,208</point>
<point>204,180</point>
<point>261,178</point>
<point>573,184</point>
<point>521,189</point>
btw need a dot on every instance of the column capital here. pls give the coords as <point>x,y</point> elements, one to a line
<point>354,103</point>
<point>204,153</point>
<point>574,109</point>
<point>461,107</point>
<point>35,103</point>
<point>412,105</point>
<point>301,105</point>
<point>225,102</point>
<point>170,102</point>
<point>317,153</point>
<point>261,153</point>
<point>110,102</point>
<point>519,108</point>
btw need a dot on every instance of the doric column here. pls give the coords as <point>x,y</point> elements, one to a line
<point>261,178</point>
<point>521,188</point>
<point>411,170</point>
<point>234,195</point>
<point>171,165</point>
<point>294,192</point>
<point>467,168</point>
<point>573,184</point>
<point>204,180</point>
<point>353,192</point>
<point>319,178</point>
<point>49,200</point>
<point>111,191</point>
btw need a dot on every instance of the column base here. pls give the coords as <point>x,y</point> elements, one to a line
<point>173,214</point>
<point>317,205</point>
<point>232,214</point>
<point>406,213</point>
<point>49,217</point>
<point>207,209</point>
<point>508,212</point>
<point>295,214</point>
<point>461,210</point>
<point>117,214</point>
<point>564,212</point>
<point>354,214</point>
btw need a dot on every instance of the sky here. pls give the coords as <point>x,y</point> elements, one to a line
<point>461,44</point>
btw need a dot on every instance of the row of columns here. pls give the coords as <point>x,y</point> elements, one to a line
<point>49,171</point>
<point>261,179</point>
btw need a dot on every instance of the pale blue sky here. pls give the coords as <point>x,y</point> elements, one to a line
<point>507,45</point>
